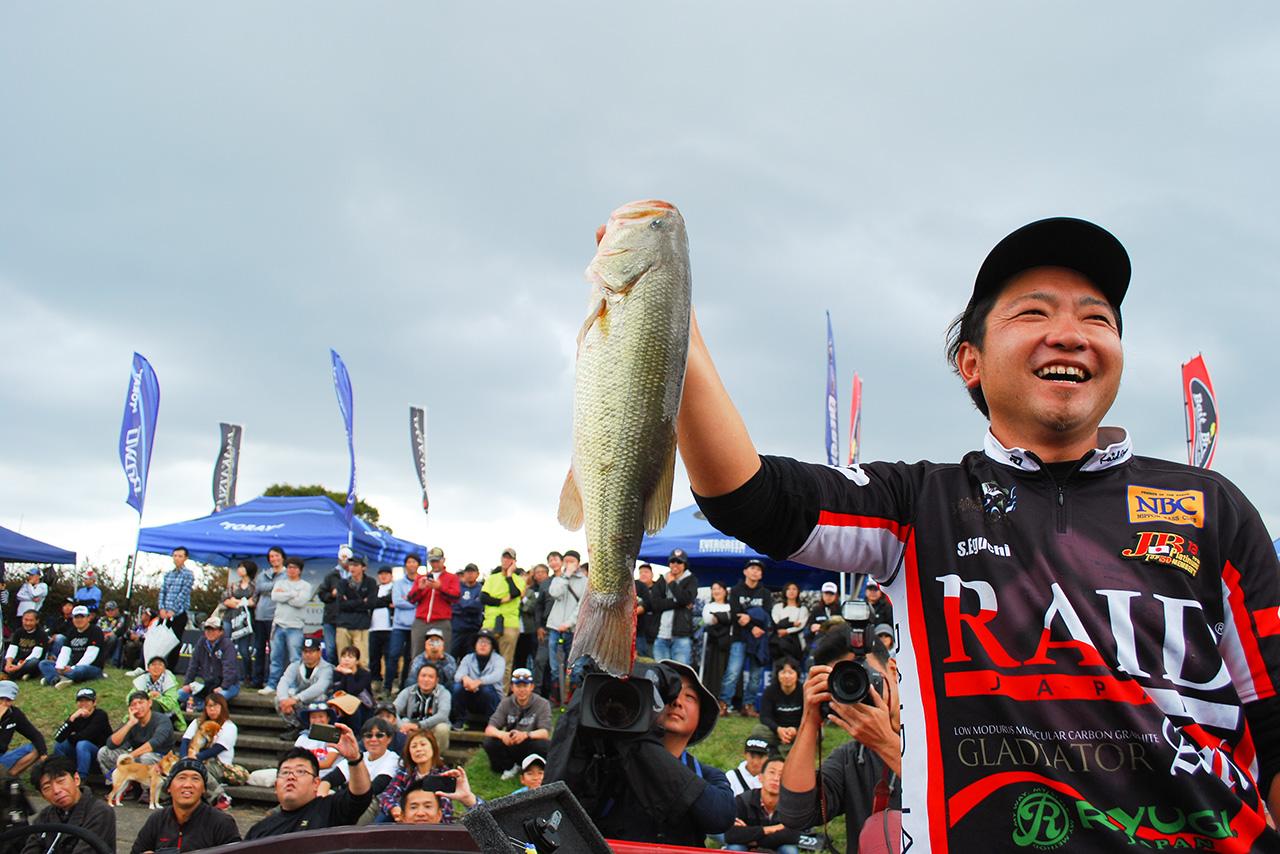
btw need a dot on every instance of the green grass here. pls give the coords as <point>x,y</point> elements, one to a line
<point>48,707</point>
<point>722,749</point>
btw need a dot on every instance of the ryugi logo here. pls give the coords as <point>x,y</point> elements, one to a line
<point>1040,821</point>
<point>997,500</point>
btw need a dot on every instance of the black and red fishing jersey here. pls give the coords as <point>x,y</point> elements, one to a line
<point>1076,643</point>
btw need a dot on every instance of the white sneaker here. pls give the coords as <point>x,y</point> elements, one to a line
<point>137,671</point>
<point>63,682</point>
<point>511,772</point>
<point>265,691</point>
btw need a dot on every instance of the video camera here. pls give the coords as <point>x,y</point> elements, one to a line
<point>627,706</point>
<point>850,682</point>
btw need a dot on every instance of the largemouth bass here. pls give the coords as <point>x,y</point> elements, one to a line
<point>630,373</point>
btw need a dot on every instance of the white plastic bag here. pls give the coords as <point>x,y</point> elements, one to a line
<point>160,641</point>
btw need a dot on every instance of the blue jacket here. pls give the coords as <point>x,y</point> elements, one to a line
<point>402,617</point>
<point>468,611</point>
<point>214,663</point>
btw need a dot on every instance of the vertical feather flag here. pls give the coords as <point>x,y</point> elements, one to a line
<point>855,421</point>
<point>138,429</point>
<point>833,414</point>
<point>342,386</point>
<point>1202,413</point>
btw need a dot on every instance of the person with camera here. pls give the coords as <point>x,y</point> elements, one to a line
<point>70,802</point>
<point>640,783</point>
<point>297,785</point>
<point>188,823</point>
<point>565,592</point>
<point>862,776</point>
<point>424,801</point>
<point>757,825</point>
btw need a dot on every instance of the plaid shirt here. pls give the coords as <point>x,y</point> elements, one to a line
<point>175,590</point>
<point>405,778</point>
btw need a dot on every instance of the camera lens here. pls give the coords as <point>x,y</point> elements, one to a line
<point>617,704</point>
<point>848,682</point>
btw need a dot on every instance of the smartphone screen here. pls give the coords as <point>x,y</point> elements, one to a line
<point>326,733</point>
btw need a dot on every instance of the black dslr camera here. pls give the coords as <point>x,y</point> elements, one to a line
<point>851,681</point>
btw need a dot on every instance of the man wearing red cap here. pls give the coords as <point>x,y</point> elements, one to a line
<point>1090,651</point>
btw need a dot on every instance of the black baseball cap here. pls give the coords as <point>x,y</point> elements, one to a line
<point>311,643</point>
<point>1059,241</point>
<point>678,556</point>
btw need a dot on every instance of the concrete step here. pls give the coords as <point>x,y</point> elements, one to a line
<point>252,794</point>
<point>252,721</point>
<point>250,699</point>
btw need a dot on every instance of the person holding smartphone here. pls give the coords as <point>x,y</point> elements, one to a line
<point>297,789</point>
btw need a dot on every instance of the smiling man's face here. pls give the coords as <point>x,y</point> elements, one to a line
<point>1050,362</point>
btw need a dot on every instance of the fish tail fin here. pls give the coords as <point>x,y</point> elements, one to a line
<point>570,512</point>
<point>606,630</point>
<point>657,504</point>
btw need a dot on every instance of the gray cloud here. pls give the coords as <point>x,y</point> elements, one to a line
<point>233,191</point>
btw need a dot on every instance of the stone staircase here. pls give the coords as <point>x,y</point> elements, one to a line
<point>258,743</point>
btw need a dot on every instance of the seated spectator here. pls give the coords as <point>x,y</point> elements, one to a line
<point>297,784</point>
<point>426,706</point>
<point>218,755</point>
<point>145,736</point>
<point>161,687</point>
<point>89,594</point>
<point>26,648</point>
<point>782,707</point>
<point>421,758</point>
<point>131,653</point>
<point>757,825</point>
<point>303,682</point>
<point>884,632</point>
<point>32,593</point>
<point>326,753</point>
<point>111,621</point>
<point>478,682</point>
<point>83,733</point>
<point>350,678</point>
<point>13,720</point>
<point>60,628</point>
<point>382,762</point>
<point>746,776</point>
<point>532,769</point>
<point>387,712</point>
<point>421,805</point>
<point>80,659</point>
<point>213,667</point>
<point>188,823</point>
<point>433,653</point>
<point>70,802</point>
<point>521,725</point>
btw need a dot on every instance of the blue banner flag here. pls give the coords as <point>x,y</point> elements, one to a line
<point>138,430</point>
<point>833,415</point>
<point>342,385</point>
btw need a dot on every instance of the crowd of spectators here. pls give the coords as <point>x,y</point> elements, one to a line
<point>398,666</point>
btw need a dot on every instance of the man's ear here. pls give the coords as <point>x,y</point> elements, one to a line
<point>969,364</point>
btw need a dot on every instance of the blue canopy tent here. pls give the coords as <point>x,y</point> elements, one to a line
<point>714,556</point>
<point>304,526</point>
<point>19,549</point>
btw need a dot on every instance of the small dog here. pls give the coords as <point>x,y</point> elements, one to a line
<point>205,733</point>
<point>128,770</point>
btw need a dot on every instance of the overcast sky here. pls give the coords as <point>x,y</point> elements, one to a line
<point>231,190</point>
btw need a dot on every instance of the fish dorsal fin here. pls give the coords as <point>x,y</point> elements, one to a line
<point>657,504</point>
<point>570,512</point>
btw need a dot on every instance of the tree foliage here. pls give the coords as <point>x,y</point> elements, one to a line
<point>364,509</point>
